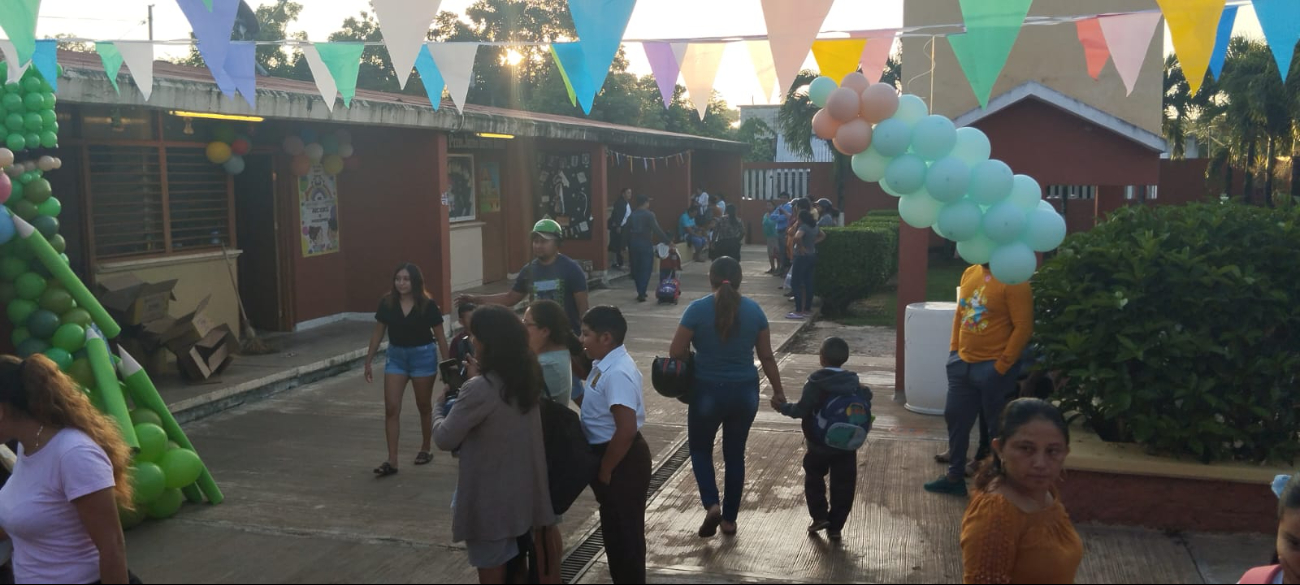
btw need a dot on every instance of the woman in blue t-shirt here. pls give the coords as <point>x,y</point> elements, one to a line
<point>726,330</point>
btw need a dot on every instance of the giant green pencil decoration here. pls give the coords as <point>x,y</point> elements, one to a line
<point>145,395</point>
<point>63,273</point>
<point>110,394</point>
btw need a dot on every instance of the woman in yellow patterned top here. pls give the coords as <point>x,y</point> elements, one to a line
<point>1015,529</point>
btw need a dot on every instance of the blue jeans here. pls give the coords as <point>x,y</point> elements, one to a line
<point>802,282</point>
<point>413,362</point>
<point>642,256</point>
<point>973,389</point>
<point>732,406</point>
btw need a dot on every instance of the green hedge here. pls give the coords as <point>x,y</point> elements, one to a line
<point>1177,327</point>
<point>854,262</point>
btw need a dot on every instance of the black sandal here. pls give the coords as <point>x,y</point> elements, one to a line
<point>710,525</point>
<point>385,470</point>
<point>423,458</point>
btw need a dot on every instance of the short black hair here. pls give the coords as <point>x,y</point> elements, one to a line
<point>464,308</point>
<point>1289,499</point>
<point>640,199</point>
<point>835,352</point>
<point>606,319</point>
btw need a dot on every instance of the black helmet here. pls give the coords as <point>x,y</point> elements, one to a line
<point>672,378</point>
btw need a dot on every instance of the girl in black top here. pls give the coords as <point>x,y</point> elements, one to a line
<point>413,323</point>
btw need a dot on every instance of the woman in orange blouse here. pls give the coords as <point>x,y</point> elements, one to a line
<point>1016,530</point>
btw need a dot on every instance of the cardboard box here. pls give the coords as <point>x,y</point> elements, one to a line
<point>190,329</point>
<point>210,355</point>
<point>133,301</point>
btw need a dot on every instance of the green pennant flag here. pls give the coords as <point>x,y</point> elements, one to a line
<point>208,3</point>
<point>568,86</point>
<point>112,59</point>
<point>18,19</point>
<point>344,62</point>
<point>992,27</point>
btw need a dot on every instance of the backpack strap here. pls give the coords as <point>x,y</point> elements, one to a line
<point>1261,575</point>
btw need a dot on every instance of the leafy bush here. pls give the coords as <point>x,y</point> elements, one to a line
<point>853,262</point>
<point>1178,328</point>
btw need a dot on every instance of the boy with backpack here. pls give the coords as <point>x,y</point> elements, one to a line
<point>836,412</point>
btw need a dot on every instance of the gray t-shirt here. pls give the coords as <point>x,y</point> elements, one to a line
<point>806,239</point>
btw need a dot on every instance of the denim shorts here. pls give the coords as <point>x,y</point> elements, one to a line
<point>413,362</point>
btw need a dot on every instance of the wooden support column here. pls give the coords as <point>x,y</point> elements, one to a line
<point>913,264</point>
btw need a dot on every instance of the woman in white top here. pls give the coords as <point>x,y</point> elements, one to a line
<point>60,507</point>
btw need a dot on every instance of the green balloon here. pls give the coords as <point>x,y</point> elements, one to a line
<point>48,100</point>
<point>33,122</point>
<point>20,335</point>
<point>26,177</point>
<point>50,138</point>
<point>141,415</point>
<point>57,300</point>
<point>224,133</point>
<point>37,190</point>
<point>57,242</point>
<point>17,193</point>
<point>12,101</point>
<point>42,324</point>
<point>15,122</point>
<point>12,88</point>
<point>31,84</point>
<point>32,139</point>
<point>77,316</point>
<point>53,128</point>
<point>60,357</point>
<point>47,225</point>
<point>51,207</point>
<point>11,268</point>
<point>7,292</point>
<point>31,347</point>
<point>172,446</point>
<point>81,372</point>
<point>131,518</point>
<point>48,117</point>
<point>33,101</point>
<point>147,481</point>
<point>20,310</point>
<point>30,286</point>
<point>820,89</point>
<point>166,506</point>
<point>26,210</point>
<point>182,467</point>
<point>16,142</point>
<point>153,442</point>
<point>70,337</point>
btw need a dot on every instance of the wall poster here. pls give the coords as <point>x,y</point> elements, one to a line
<point>460,171</point>
<point>564,192</point>
<point>319,204</point>
<point>489,187</point>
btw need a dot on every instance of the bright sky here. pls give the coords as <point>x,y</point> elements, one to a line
<point>658,19</point>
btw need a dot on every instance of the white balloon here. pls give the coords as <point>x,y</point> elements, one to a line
<point>6,157</point>
<point>314,151</point>
<point>58,163</point>
<point>346,150</point>
<point>45,163</point>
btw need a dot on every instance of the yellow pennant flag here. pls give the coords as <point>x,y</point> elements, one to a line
<point>1194,25</point>
<point>838,58</point>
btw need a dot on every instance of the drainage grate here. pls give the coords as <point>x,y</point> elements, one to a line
<point>583,556</point>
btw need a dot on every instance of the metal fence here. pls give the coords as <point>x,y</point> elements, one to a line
<point>769,184</point>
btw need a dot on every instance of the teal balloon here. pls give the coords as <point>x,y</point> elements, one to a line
<point>37,190</point>
<point>235,165</point>
<point>892,137</point>
<point>182,467</point>
<point>11,268</point>
<point>60,357</point>
<point>911,109</point>
<point>1025,192</point>
<point>1004,222</point>
<point>991,182</point>
<point>31,347</point>
<point>141,415</point>
<point>20,335</point>
<point>1046,230</point>
<point>147,481</point>
<point>70,337</point>
<point>977,250</point>
<point>19,310</point>
<point>30,286</point>
<point>972,146</point>
<point>820,89</point>
<point>15,122</point>
<point>1045,204</point>
<point>43,324</point>
<point>329,143</point>
<point>961,220</point>
<point>12,101</point>
<point>50,138</point>
<point>939,230</point>
<point>906,175</point>
<point>47,225</point>
<point>16,142</point>
<point>32,122</point>
<point>153,442</point>
<point>934,137</point>
<point>34,102</point>
<point>52,207</point>
<point>1013,263</point>
<point>948,179</point>
<point>166,505</point>
<point>870,165</point>
<point>919,210</point>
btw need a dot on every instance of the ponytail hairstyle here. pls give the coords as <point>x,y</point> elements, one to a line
<point>725,276</point>
<point>36,389</point>
<point>1017,414</point>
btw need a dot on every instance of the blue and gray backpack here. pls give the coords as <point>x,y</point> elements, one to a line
<point>844,421</point>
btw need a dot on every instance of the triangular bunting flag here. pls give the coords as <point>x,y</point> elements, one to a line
<point>112,60</point>
<point>600,25</point>
<point>405,26</point>
<point>760,52</point>
<point>679,51</point>
<point>46,61</point>
<point>321,73</point>
<point>880,44</point>
<point>241,66</point>
<point>343,60</point>
<point>1193,24</point>
<point>564,76</point>
<point>138,56</point>
<point>212,23</point>
<point>573,68</point>
<point>208,4</point>
<point>665,68</point>
<point>1095,49</point>
<point>430,76</point>
<point>700,70</point>
<point>791,28</point>
<point>456,63</point>
<point>839,57</point>
<point>1129,39</point>
<point>991,33</point>
<point>1281,23</point>
<point>18,19</point>
<point>1221,42</point>
<point>15,71</point>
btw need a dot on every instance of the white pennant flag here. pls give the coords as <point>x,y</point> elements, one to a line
<point>405,25</point>
<point>456,63</point>
<point>700,70</point>
<point>760,52</point>
<point>138,57</point>
<point>11,59</point>
<point>679,51</point>
<point>324,79</point>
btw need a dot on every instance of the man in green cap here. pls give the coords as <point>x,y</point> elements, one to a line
<point>550,276</point>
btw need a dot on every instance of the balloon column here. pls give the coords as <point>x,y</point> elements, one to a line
<point>53,313</point>
<point>228,149</point>
<point>942,174</point>
<point>333,152</point>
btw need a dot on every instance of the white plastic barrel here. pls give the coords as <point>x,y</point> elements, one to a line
<point>927,337</point>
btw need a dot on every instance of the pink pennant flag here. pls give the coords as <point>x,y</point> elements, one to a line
<point>791,28</point>
<point>1094,45</point>
<point>880,44</point>
<point>1129,38</point>
<point>665,66</point>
